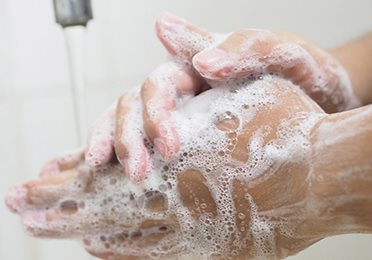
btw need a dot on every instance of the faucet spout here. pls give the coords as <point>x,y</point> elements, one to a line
<point>72,12</point>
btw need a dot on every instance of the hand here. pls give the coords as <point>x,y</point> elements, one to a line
<point>245,53</point>
<point>248,181</point>
<point>122,130</point>
<point>251,52</point>
<point>115,134</point>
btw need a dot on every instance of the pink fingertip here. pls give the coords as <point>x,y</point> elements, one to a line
<point>214,64</point>
<point>211,58</point>
<point>49,169</point>
<point>99,154</point>
<point>166,26</point>
<point>169,21</point>
<point>15,199</point>
<point>33,222</point>
<point>141,172</point>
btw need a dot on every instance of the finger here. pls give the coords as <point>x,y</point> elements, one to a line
<point>181,38</point>
<point>171,84</point>
<point>53,223</point>
<point>62,163</point>
<point>46,205</point>
<point>39,193</point>
<point>129,142</point>
<point>241,54</point>
<point>101,143</point>
<point>172,81</point>
<point>249,53</point>
<point>34,223</point>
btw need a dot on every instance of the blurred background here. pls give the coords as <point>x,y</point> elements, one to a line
<point>120,49</point>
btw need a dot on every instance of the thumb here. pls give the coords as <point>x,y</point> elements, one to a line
<point>180,38</point>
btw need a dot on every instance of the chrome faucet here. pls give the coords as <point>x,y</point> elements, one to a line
<point>72,12</point>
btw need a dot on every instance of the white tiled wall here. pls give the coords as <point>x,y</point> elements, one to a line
<point>120,49</point>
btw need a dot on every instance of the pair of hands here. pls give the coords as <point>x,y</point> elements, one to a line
<point>201,60</point>
<point>248,175</point>
<point>239,189</point>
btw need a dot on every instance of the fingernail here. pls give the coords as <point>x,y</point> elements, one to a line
<point>215,64</point>
<point>211,58</point>
<point>161,146</point>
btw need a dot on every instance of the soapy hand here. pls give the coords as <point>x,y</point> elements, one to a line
<point>250,52</point>
<point>218,58</point>
<point>122,130</point>
<point>167,88</point>
<point>211,200</point>
<point>246,183</point>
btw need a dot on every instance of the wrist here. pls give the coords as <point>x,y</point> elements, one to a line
<point>342,176</point>
<point>355,57</point>
<point>331,86</point>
